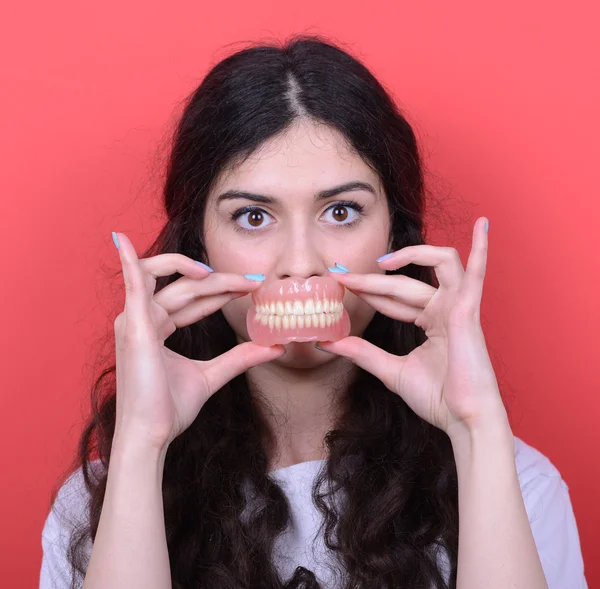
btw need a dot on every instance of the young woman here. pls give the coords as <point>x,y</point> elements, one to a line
<point>223,463</point>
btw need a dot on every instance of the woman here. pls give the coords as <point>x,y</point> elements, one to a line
<point>217,455</point>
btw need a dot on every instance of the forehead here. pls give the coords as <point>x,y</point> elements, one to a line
<point>303,160</point>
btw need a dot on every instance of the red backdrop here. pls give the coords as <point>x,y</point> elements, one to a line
<point>504,98</point>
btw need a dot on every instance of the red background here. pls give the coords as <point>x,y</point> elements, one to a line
<point>504,98</point>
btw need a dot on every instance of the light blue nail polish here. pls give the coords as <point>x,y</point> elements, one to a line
<point>342,267</point>
<point>257,277</point>
<point>317,347</point>
<point>383,258</point>
<point>337,270</point>
<point>487,226</point>
<point>115,239</point>
<point>204,266</point>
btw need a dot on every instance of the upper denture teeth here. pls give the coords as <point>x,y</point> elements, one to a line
<point>310,307</point>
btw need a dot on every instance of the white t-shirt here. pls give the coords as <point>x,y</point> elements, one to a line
<point>545,493</point>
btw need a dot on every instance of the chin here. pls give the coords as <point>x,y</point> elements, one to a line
<point>304,355</point>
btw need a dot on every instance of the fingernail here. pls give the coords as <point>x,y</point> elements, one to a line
<point>337,270</point>
<point>204,266</point>
<point>322,350</point>
<point>383,258</point>
<point>115,239</point>
<point>257,277</point>
<point>342,267</point>
<point>487,226</point>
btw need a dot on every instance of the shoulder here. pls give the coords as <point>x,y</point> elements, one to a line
<point>550,513</point>
<point>68,513</point>
<point>72,501</point>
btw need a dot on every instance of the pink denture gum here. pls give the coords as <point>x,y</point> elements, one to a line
<point>294,310</point>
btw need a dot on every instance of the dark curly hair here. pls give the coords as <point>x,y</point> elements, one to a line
<point>397,473</point>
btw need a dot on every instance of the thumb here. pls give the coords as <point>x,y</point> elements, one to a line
<point>223,368</point>
<point>373,359</point>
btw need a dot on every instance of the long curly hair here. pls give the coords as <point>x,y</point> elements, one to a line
<point>396,472</point>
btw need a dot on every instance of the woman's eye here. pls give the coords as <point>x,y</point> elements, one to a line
<point>253,218</point>
<point>341,212</point>
<point>249,219</point>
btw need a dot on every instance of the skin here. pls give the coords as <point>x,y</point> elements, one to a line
<point>298,237</point>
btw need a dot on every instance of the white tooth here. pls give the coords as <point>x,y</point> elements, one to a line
<point>300,321</point>
<point>277,322</point>
<point>257,317</point>
<point>292,321</point>
<point>308,320</point>
<point>325,305</point>
<point>279,308</point>
<point>272,308</point>
<point>319,306</point>
<point>315,318</point>
<point>289,310</point>
<point>285,320</point>
<point>309,307</point>
<point>264,319</point>
<point>271,321</point>
<point>321,320</point>
<point>328,319</point>
<point>298,308</point>
<point>340,306</point>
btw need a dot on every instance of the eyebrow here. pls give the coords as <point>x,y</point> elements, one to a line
<point>323,194</point>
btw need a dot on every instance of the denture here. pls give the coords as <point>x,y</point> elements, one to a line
<point>295,310</point>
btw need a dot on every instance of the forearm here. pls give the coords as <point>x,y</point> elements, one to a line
<point>130,548</point>
<point>496,548</point>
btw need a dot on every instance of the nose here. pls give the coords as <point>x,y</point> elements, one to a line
<point>300,255</point>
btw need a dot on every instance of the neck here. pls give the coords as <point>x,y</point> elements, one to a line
<point>301,402</point>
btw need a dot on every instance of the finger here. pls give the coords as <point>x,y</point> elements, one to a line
<point>444,260</point>
<point>472,289</point>
<point>414,293</point>
<point>201,308</point>
<point>183,291</point>
<point>392,307</point>
<point>383,365</point>
<point>167,264</point>
<point>137,299</point>
<point>230,364</point>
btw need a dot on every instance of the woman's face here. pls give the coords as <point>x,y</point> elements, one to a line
<point>290,230</point>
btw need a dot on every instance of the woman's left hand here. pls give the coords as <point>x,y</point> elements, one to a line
<point>448,380</point>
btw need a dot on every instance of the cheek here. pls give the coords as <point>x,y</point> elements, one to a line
<point>235,314</point>
<point>360,313</point>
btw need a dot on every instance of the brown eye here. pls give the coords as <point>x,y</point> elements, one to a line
<point>255,218</point>
<point>340,213</point>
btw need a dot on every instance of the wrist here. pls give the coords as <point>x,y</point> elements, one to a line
<point>492,440</point>
<point>127,445</point>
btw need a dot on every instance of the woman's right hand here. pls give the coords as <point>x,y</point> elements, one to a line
<point>160,392</point>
